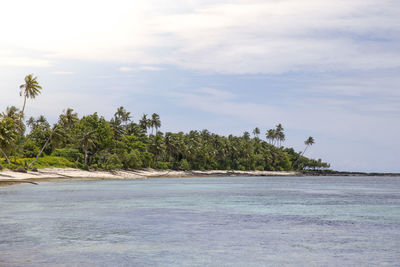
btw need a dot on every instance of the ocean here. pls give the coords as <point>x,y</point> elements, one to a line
<point>213,221</point>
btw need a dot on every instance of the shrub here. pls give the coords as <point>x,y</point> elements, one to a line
<point>134,160</point>
<point>53,162</point>
<point>30,149</point>
<point>162,165</point>
<point>184,165</point>
<point>113,163</point>
<point>259,168</point>
<point>71,154</point>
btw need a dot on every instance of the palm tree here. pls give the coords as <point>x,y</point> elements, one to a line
<point>280,136</point>
<point>271,136</point>
<point>12,113</point>
<point>256,131</point>
<point>123,115</point>
<point>309,142</point>
<point>30,89</point>
<point>155,122</point>
<point>31,122</point>
<point>144,123</point>
<point>69,118</point>
<point>246,136</point>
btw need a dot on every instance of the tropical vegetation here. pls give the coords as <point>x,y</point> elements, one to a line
<point>92,142</point>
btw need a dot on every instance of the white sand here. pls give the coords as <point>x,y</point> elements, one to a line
<point>77,174</point>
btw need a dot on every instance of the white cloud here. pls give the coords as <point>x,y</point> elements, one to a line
<point>17,61</point>
<point>243,36</point>
<point>62,72</point>
<point>126,69</point>
<point>150,68</point>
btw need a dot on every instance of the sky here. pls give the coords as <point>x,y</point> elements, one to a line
<point>323,68</point>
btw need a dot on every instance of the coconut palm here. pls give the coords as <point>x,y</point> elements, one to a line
<point>69,118</point>
<point>123,115</point>
<point>256,131</point>
<point>12,113</point>
<point>30,89</point>
<point>280,135</point>
<point>271,136</point>
<point>309,142</point>
<point>155,122</point>
<point>144,123</point>
<point>31,122</point>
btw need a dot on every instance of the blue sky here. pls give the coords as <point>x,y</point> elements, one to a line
<point>329,69</point>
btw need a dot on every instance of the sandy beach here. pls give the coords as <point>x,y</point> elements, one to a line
<point>8,177</point>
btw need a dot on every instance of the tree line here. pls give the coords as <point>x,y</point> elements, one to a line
<point>92,142</point>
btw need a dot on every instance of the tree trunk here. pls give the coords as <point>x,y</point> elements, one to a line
<point>41,151</point>
<point>23,108</point>
<point>15,155</point>
<point>300,156</point>
<point>86,156</point>
<point>5,155</point>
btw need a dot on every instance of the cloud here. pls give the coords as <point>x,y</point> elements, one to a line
<point>62,72</point>
<point>150,68</point>
<point>243,36</point>
<point>17,61</point>
<point>348,139</point>
<point>126,69</point>
<point>141,68</point>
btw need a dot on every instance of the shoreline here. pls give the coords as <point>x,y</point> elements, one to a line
<point>8,177</point>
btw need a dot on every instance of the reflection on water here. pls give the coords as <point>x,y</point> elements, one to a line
<point>243,221</point>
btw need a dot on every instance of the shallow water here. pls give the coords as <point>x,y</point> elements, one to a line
<point>241,221</point>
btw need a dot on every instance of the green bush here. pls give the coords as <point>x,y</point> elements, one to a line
<point>113,163</point>
<point>71,154</point>
<point>162,165</point>
<point>53,162</point>
<point>184,165</point>
<point>134,160</point>
<point>259,168</point>
<point>31,150</point>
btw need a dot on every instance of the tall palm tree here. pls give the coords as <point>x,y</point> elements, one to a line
<point>123,115</point>
<point>280,135</point>
<point>271,136</point>
<point>155,122</point>
<point>144,122</point>
<point>256,131</point>
<point>30,89</point>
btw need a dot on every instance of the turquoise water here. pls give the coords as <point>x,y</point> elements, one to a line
<point>241,221</point>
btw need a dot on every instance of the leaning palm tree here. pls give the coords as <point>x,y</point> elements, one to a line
<point>30,89</point>
<point>309,142</point>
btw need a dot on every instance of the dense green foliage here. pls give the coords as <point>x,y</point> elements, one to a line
<point>93,142</point>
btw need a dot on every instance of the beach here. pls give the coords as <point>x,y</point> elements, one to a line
<point>8,177</point>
